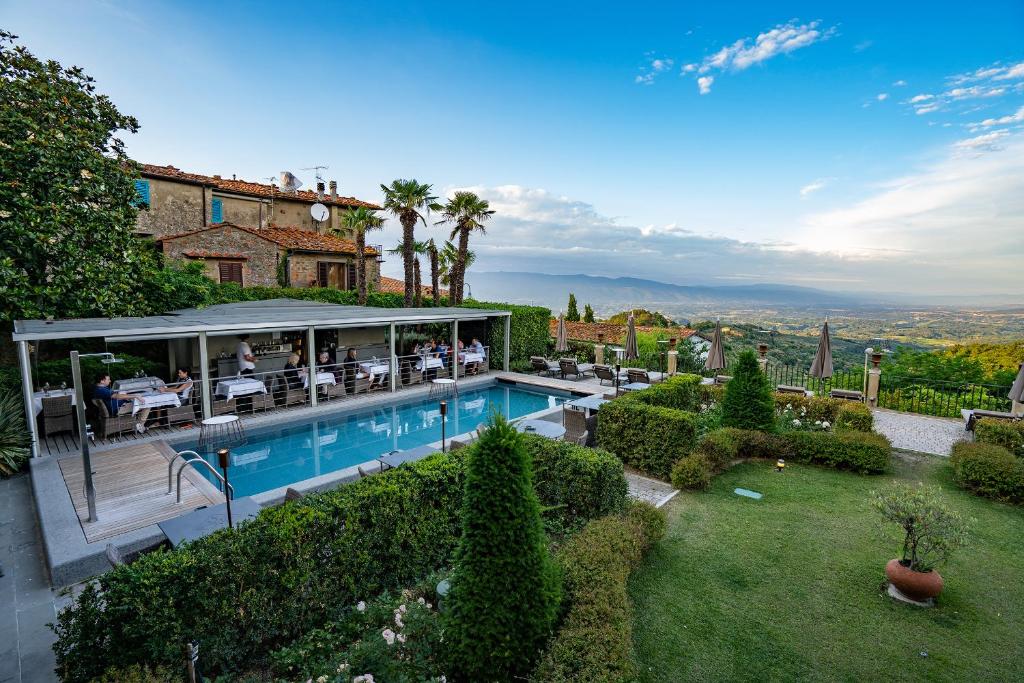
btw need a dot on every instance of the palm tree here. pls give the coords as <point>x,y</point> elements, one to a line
<point>430,248</point>
<point>359,221</point>
<point>448,256</point>
<point>406,199</point>
<point>466,212</point>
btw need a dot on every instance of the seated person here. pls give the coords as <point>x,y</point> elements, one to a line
<point>293,374</point>
<point>350,368</point>
<point>476,346</point>
<point>119,403</point>
<point>182,385</point>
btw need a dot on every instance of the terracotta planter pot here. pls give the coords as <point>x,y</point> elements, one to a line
<point>915,585</point>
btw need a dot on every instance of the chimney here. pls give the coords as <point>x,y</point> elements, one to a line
<point>334,189</point>
<point>216,177</point>
<point>320,191</point>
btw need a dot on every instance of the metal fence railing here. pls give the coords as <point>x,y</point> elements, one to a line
<point>944,399</point>
<point>797,376</point>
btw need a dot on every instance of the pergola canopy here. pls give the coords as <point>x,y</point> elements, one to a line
<point>245,316</point>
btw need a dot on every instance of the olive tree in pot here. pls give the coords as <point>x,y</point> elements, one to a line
<point>932,532</point>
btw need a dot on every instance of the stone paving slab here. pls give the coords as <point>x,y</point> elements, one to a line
<point>921,433</point>
<point>653,491</point>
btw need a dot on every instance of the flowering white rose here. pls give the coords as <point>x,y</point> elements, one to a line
<point>322,679</point>
<point>400,637</point>
<point>365,678</point>
<point>361,606</point>
<point>402,609</point>
<point>421,600</point>
<point>796,423</point>
<point>343,667</point>
<point>398,619</point>
<point>389,636</point>
<point>826,424</point>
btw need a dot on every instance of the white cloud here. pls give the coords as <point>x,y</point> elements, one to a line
<point>994,72</point>
<point>689,68</point>
<point>1017,117</point>
<point>899,84</point>
<point>1011,72</point>
<point>921,98</point>
<point>654,66</point>
<point>704,84</point>
<point>989,142</point>
<point>883,96</point>
<point>926,109</point>
<point>746,52</point>
<point>970,91</point>
<point>813,186</point>
<point>863,45</point>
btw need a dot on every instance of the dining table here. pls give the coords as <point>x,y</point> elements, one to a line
<point>154,399</point>
<point>375,369</point>
<point>241,386</point>
<point>550,430</point>
<point>322,379</point>
<point>38,396</point>
<point>589,404</point>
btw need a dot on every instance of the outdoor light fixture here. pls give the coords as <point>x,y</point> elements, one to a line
<point>618,369</point>
<point>224,461</point>
<point>444,411</point>
<point>780,465</point>
<point>662,350</point>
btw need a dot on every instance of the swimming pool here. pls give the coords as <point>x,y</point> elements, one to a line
<point>280,455</point>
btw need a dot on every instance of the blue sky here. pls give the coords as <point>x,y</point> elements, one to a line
<point>800,156</point>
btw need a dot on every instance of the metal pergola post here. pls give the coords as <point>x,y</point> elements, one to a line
<point>204,365</point>
<point>455,350</point>
<point>26,392</point>
<point>83,438</point>
<point>508,337</point>
<point>394,359</point>
<point>312,353</point>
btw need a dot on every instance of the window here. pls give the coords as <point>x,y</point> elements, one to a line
<point>335,274</point>
<point>217,210</point>
<point>230,271</point>
<point>142,194</point>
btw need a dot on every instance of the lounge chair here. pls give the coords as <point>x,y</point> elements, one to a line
<point>722,379</point>
<point>971,417</point>
<point>57,415</point>
<point>846,395</point>
<point>542,365</point>
<point>643,376</point>
<point>604,373</point>
<point>569,366</point>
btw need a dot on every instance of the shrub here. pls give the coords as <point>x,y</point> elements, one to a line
<point>54,372</point>
<point>649,438</point>
<point>711,394</point>
<point>14,438</point>
<point>863,452</point>
<point>748,402</point>
<point>681,392</point>
<point>528,335</point>
<point>137,673</point>
<point>988,470</point>
<point>931,530</point>
<point>807,408</point>
<point>691,472</point>
<point>1005,433</point>
<point>505,590</point>
<point>595,641</point>
<point>242,594</point>
<point>587,482</point>
<point>854,416</point>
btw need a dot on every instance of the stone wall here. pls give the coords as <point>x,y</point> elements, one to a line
<point>259,269</point>
<point>173,208</point>
<point>302,268</point>
<point>251,212</point>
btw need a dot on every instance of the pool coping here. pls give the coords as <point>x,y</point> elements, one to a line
<point>71,559</point>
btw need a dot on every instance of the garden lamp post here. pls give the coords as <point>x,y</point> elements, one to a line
<point>224,461</point>
<point>444,411</point>
<point>662,350</point>
<point>83,434</point>
<point>618,369</point>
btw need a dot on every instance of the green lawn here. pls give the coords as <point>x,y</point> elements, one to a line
<point>791,587</point>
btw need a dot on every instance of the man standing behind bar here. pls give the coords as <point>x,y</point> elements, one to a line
<point>246,361</point>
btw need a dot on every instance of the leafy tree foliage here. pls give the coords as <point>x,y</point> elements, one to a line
<point>749,402</point>
<point>643,317</point>
<point>359,221</point>
<point>409,200</point>
<point>588,314</point>
<point>67,195</point>
<point>572,313</point>
<point>505,589</point>
<point>466,213</point>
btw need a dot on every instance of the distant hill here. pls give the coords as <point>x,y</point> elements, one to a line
<point>609,295</point>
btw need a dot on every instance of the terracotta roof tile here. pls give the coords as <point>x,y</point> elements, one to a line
<point>613,333</point>
<point>289,238</point>
<point>203,253</point>
<point>247,188</point>
<point>390,285</point>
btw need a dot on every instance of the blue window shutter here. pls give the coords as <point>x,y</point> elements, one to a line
<point>142,190</point>
<point>216,211</point>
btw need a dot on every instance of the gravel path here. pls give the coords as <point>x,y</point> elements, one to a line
<point>652,491</point>
<point>919,432</point>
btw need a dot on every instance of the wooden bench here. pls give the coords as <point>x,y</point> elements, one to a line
<point>846,394</point>
<point>971,417</point>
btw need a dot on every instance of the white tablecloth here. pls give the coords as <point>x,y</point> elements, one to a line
<point>472,357</point>
<point>239,387</point>
<point>137,383</point>
<point>322,378</point>
<point>431,363</point>
<point>155,400</point>
<point>375,369</point>
<point>37,397</point>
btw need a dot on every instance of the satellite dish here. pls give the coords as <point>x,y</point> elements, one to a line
<point>289,183</point>
<point>319,212</point>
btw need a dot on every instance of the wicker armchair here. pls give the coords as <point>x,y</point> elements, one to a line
<point>57,415</point>
<point>110,425</point>
<point>186,412</point>
<point>224,406</point>
<point>575,422</point>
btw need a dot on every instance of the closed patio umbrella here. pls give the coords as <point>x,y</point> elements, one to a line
<point>632,352</point>
<point>561,337</point>
<point>1017,390</point>
<point>716,354</point>
<point>821,367</point>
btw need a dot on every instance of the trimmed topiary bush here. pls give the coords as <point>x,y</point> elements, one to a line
<point>854,416</point>
<point>595,642</point>
<point>749,402</point>
<point>988,470</point>
<point>692,472</point>
<point>1005,433</point>
<point>681,392</point>
<point>648,438</point>
<point>505,589</point>
<point>863,452</point>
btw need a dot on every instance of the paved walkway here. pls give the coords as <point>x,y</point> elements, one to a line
<point>653,491</point>
<point>920,433</point>
<point>26,602</point>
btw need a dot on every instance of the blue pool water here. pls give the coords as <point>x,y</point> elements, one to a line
<point>280,455</point>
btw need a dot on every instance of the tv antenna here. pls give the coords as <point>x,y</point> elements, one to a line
<point>318,170</point>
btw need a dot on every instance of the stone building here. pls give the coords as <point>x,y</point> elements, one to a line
<point>272,256</point>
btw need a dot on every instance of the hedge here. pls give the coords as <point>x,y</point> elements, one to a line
<point>988,470</point>
<point>59,370</point>
<point>681,392</point>
<point>595,641</point>
<point>1005,433</point>
<point>863,452</point>
<point>841,414</point>
<point>528,335</point>
<point>649,438</point>
<point>244,593</point>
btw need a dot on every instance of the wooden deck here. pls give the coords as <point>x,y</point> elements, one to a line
<point>131,489</point>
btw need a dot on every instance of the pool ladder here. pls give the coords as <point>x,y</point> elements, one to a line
<point>193,458</point>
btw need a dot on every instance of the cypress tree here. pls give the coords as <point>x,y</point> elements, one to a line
<point>572,313</point>
<point>505,589</point>
<point>748,402</point>
<point>588,314</point>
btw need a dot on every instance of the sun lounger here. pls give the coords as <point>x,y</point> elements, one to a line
<point>643,376</point>
<point>542,365</point>
<point>722,379</point>
<point>971,417</point>
<point>569,366</point>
